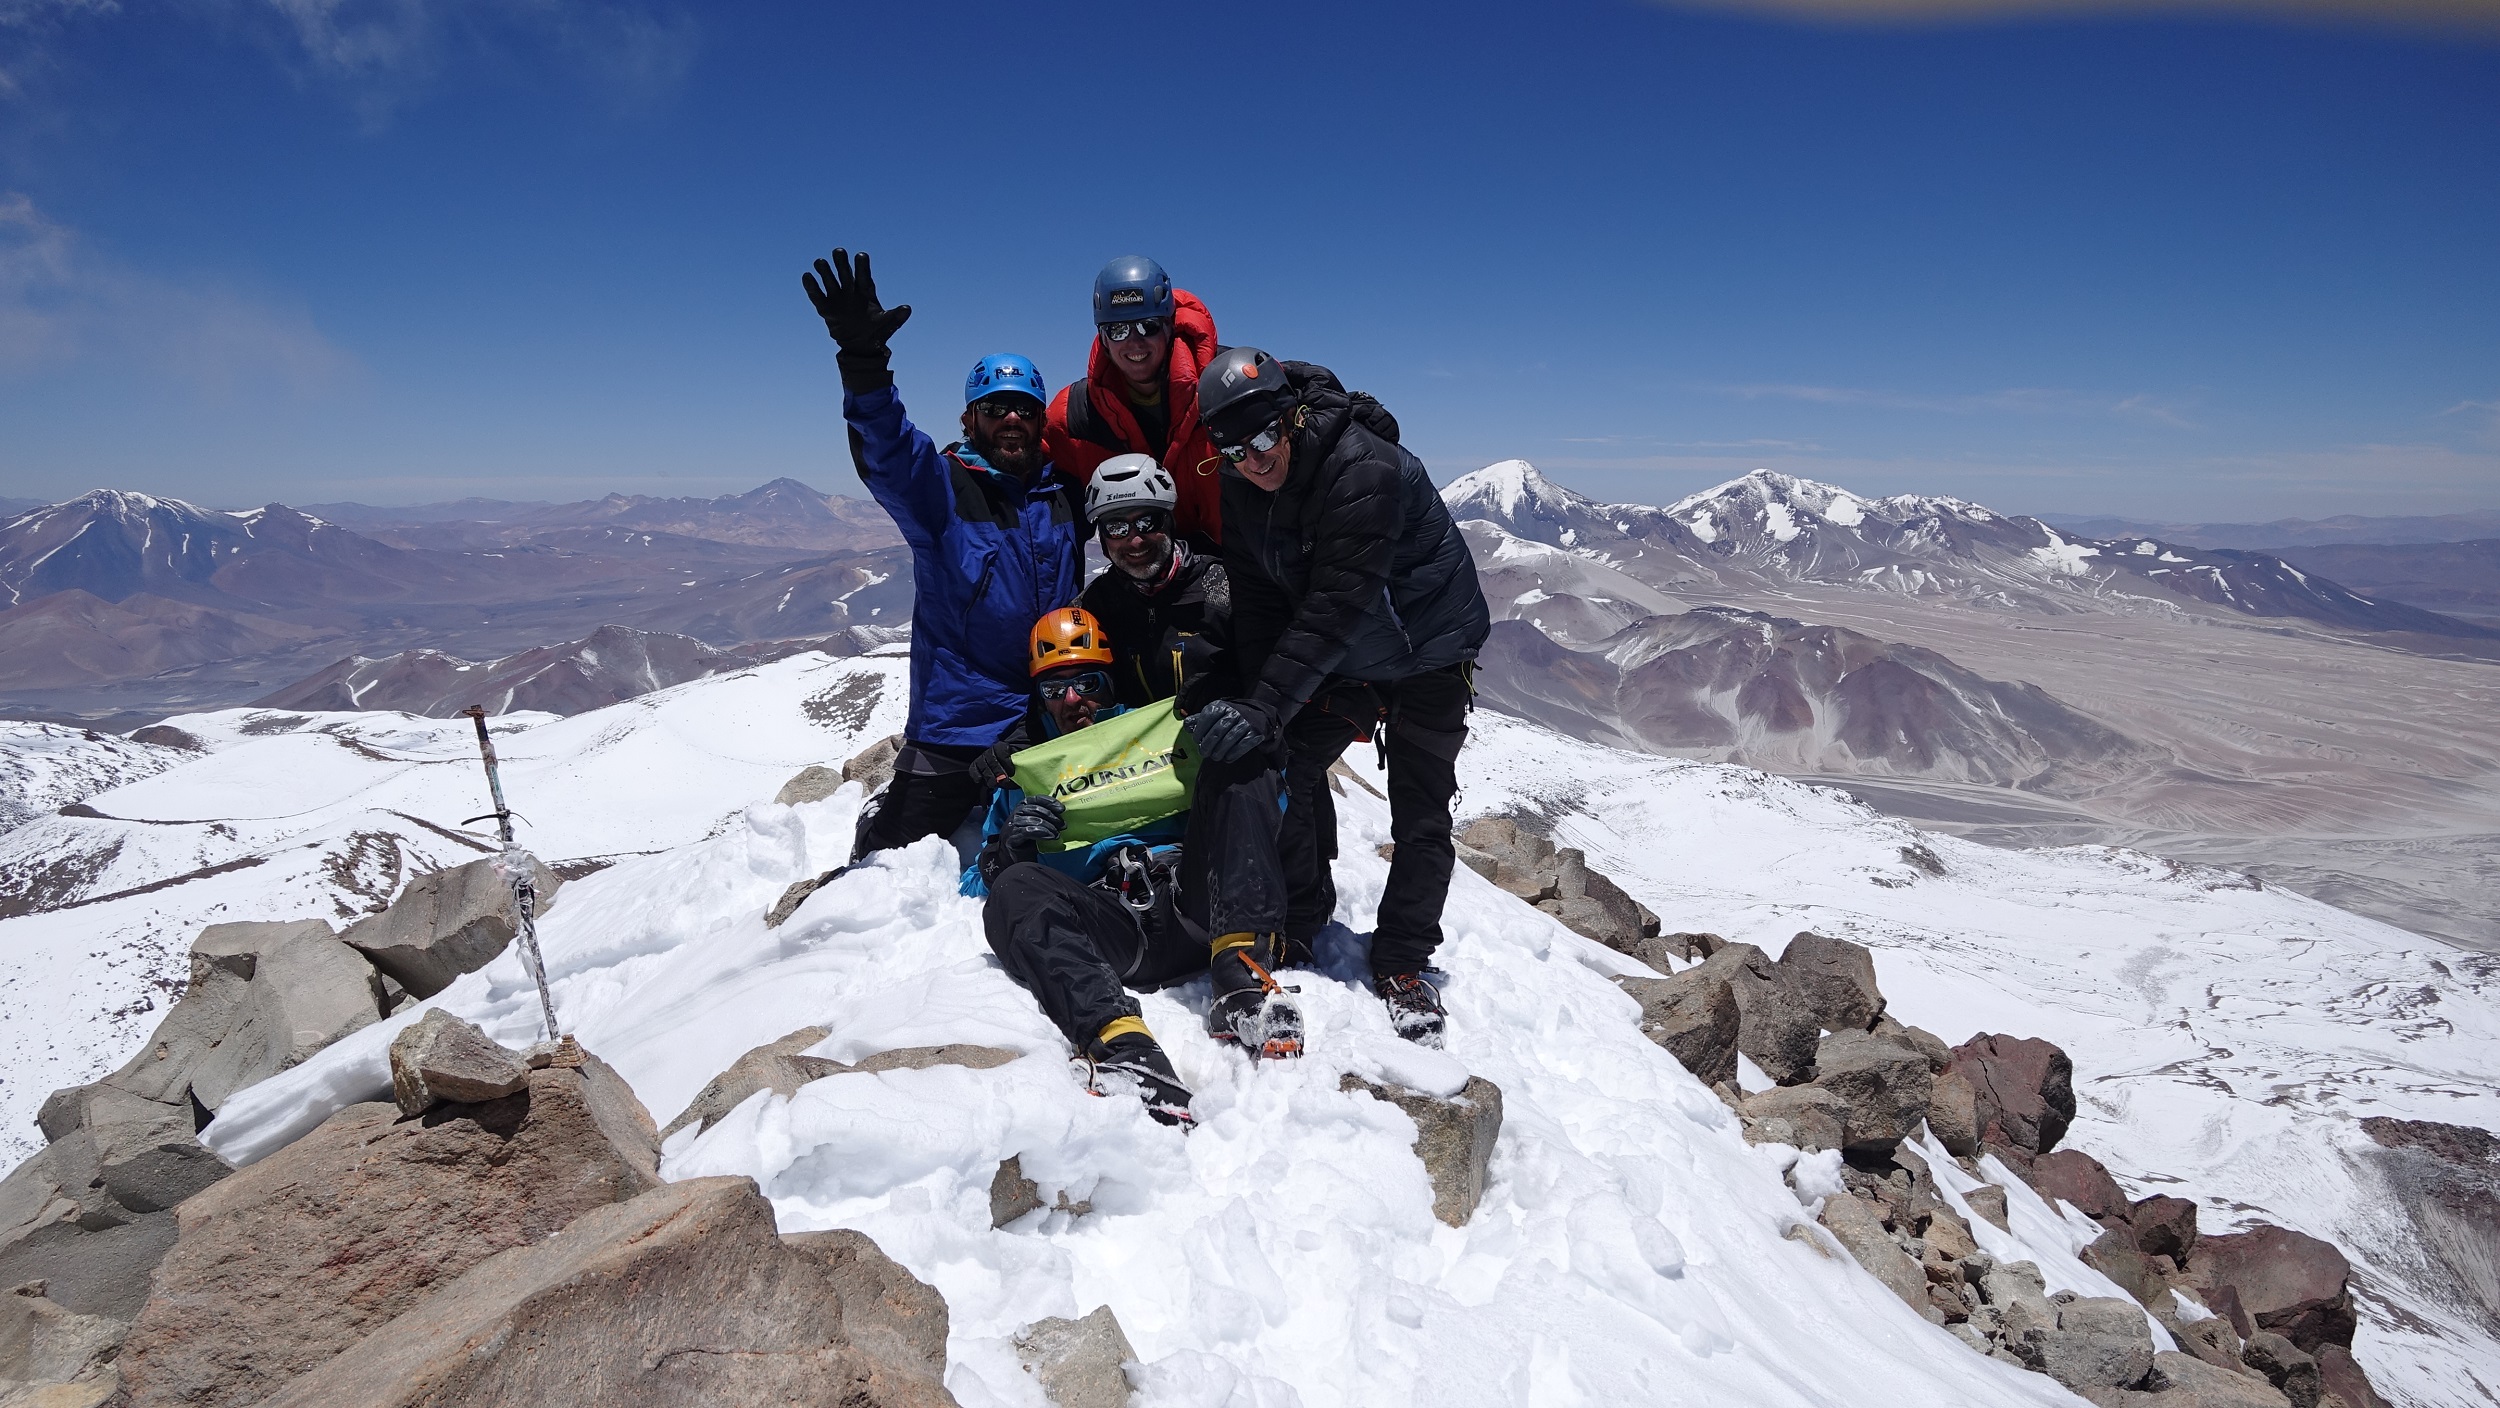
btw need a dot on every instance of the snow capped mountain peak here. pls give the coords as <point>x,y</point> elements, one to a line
<point>1508,490</point>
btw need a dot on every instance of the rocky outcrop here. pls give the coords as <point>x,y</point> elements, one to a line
<point>446,923</point>
<point>442,1060</point>
<point>783,1066</point>
<point>2287,1282</point>
<point>1560,882</point>
<point>683,1295</point>
<point>90,1215</point>
<point>1695,1017</point>
<point>2074,1176</point>
<point>1454,1136</point>
<point>1078,1362</point>
<point>1807,1117</point>
<point>50,1354</point>
<point>295,1258</point>
<point>1834,979</point>
<point>2024,1090</point>
<point>1884,1086</point>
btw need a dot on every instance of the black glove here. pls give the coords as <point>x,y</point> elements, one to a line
<point>1229,729</point>
<point>1035,820</point>
<point>845,295</point>
<point>996,766</point>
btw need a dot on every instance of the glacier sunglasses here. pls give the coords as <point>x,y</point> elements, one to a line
<point>1000,410</point>
<point>1142,327</point>
<point>1086,684</point>
<point>1260,443</point>
<point>1136,526</point>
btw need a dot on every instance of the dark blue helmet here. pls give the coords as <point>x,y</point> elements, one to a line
<point>1131,286</point>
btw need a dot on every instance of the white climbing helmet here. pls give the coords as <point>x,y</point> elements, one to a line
<point>1127,482</point>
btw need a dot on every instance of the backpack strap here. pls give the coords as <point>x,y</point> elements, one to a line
<point>1084,424</point>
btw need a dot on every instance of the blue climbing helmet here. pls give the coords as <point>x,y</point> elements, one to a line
<point>1131,286</point>
<point>1004,371</point>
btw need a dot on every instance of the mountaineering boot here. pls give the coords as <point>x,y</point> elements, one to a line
<point>1250,1009</point>
<point>1414,1007</point>
<point>1127,1057</point>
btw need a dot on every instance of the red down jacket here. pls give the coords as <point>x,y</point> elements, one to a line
<point>1103,425</point>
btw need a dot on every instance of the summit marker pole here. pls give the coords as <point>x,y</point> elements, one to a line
<point>519,869</point>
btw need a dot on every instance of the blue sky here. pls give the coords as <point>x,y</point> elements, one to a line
<point>402,250</point>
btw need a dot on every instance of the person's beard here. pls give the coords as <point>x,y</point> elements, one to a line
<point>1021,465</point>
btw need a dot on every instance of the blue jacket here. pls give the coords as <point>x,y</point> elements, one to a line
<point>989,554</point>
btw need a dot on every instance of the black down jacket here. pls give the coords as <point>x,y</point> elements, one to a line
<point>1353,568</point>
<point>1168,638</point>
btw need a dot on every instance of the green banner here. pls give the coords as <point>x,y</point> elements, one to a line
<point>1117,775</point>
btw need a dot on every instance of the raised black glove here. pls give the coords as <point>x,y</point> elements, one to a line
<point>845,295</point>
<point>1034,821</point>
<point>1229,729</point>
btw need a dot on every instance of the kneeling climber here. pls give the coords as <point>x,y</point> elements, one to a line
<point>1111,863</point>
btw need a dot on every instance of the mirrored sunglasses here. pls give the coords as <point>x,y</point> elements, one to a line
<point>1087,684</point>
<point>1142,327</point>
<point>1001,410</point>
<point>1261,443</point>
<point>1152,521</point>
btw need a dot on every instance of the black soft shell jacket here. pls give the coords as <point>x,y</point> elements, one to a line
<point>1170,640</point>
<point>1354,567</point>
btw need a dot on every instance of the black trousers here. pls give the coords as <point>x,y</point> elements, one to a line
<point>1079,948</point>
<point>932,792</point>
<point>1427,725</point>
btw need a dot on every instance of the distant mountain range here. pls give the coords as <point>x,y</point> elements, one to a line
<point>119,603</point>
<point>2293,532</point>
<point>782,514</point>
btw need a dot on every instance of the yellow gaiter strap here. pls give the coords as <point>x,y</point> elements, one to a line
<point>1122,1026</point>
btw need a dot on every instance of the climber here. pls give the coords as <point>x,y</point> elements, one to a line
<point>994,543</point>
<point>1140,391</point>
<point>1111,863</point>
<point>1354,607</point>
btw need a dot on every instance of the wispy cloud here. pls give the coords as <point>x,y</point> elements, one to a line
<point>26,31</point>
<point>2020,400</point>
<point>60,304</point>
<point>382,54</point>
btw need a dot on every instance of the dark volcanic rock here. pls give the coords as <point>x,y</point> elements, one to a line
<point>1836,980</point>
<point>446,923</point>
<point>2024,1089</point>
<point>1695,1017</point>
<point>2291,1283</point>
<point>2164,1226</point>
<point>1774,1025</point>
<point>2078,1178</point>
<point>1884,1084</point>
<point>441,1059</point>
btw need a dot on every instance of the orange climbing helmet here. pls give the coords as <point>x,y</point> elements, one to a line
<point>1068,636</point>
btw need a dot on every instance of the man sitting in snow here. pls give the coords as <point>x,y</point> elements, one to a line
<point>1111,864</point>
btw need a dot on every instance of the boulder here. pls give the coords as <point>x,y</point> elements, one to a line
<point>2076,1177</point>
<point>1517,860</point>
<point>1886,1087</point>
<point>94,1392</point>
<point>683,1295</point>
<point>2340,1378</point>
<point>45,1342</point>
<point>783,1066</point>
<point>1079,1362</point>
<point>812,783</point>
<point>1593,906</point>
<point>1807,1117</point>
<point>2024,1090</point>
<point>1773,1027</point>
<point>872,767</point>
<point>778,1066</point>
<point>60,1225</point>
<point>446,923</point>
<point>1924,1042</point>
<point>2293,1373</point>
<point>1860,1230</point>
<point>295,1258</point>
<point>2098,1342</point>
<point>1988,1200</point>
<point>442,1060</point>
<point>2164,1226</point>
<point>1953,1114</point>
<point>2114,1254</point>
<point>1835,979</point>
<point>2295,1285</point>
<point>1454,1136</point>
<point>1695,1017</point>
<point>2189,1382</point>
<point>888,1312</point>
<point>2211,1339</point>
<point>1688,947</point>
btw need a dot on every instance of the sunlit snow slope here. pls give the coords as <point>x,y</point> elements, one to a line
<point>1631,1247</point>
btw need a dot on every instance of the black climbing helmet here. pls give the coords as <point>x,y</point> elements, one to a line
<point>1240,393</point>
